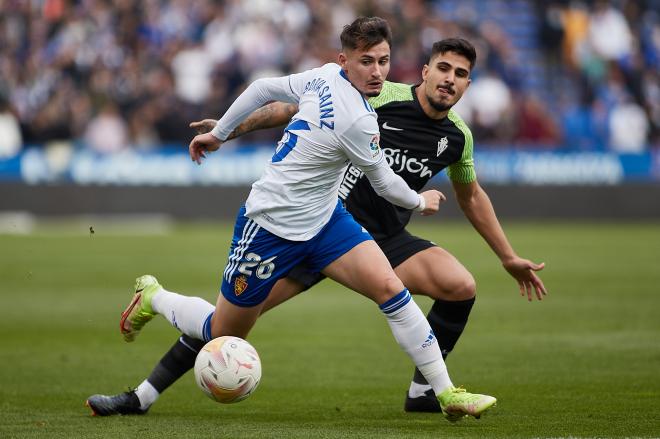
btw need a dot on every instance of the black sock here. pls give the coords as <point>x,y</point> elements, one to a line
<point>177,361</point>
<point>447,319</point>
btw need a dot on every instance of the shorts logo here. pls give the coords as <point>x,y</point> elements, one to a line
<point>240,284</point>
<point>374,145</point>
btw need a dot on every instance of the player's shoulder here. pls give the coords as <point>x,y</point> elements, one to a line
<point>460,124</point>
<point>392,92</point>
<point>326,71</point>
<point>354,109</point>
<point>331,67</point>
<point>320,76</point>
<point>357,121</point>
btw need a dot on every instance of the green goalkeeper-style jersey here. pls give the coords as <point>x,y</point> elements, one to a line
<point>417,148</point>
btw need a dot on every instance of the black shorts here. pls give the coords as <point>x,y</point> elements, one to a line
<point>397,248</point>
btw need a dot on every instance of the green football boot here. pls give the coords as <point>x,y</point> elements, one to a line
<point>139,311</point>
<point>457,404</point>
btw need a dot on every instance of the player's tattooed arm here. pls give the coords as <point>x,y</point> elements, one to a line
<point>272,115</point>
<point>269,116</point>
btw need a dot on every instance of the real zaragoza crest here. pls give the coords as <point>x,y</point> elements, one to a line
<point>240,284</point>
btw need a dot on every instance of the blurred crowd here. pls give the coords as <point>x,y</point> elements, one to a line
<point>117,74</point>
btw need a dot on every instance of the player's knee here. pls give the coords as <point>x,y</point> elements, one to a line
<point>385,288</point>
<point>392,285</point>
<point>460,288</point>
<point>465,288</point>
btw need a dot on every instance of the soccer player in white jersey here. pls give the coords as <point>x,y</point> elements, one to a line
<point>293,214</point>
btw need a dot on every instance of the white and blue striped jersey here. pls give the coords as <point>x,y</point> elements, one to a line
<point>297,193</point>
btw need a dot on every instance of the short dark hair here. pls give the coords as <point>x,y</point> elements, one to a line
<point>365,32</point>
<point>459,46</point>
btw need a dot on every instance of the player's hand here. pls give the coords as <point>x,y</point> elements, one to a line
<point>432,200</point>
<point>523,271</point>
<point>203,126</point>
<point>201,145</point>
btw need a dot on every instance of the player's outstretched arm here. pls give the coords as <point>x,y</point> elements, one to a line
<point>271,115</point>
<point>254,97</point>
<point>478,208</point>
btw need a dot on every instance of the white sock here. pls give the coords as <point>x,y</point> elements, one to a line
<point>147,394</point>
<point>416,390</point>
<point>185,313</point>
<point>415,336</point>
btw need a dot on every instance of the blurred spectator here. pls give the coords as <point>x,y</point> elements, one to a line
<point>584,125</point>
<point>629,127</point>
<point>10,131</point>
<point>609,33</point>
<point>192,72</point>
<point>551,34</point>
<point>535,125</point>
<point>576,26</point>
<point>107,132</point>
<point>488,107</point>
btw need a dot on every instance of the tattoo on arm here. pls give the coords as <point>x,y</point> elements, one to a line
<point>268,116</point>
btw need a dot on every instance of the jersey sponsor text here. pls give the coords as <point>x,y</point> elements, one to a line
<point>399,161</point>
<point>351,177</point>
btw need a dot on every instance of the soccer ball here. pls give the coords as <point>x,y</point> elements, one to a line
<point>227,369</point>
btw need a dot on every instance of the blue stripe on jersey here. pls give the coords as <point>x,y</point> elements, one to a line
<point>298,125</point>
<point>285,148</point>
<point>291,139</point>
<point>369,108</point>
<point>396,303</point>
<point>366,104</point>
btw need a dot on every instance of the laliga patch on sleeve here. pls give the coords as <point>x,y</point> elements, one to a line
<point>374,145</point>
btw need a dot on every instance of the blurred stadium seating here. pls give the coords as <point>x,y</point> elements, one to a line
<point>131,74</point>
<point>564,92</point>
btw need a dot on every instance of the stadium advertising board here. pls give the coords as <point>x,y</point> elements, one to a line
<point>173,167</point>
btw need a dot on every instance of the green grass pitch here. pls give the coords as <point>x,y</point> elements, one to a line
<point>585,362</point>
